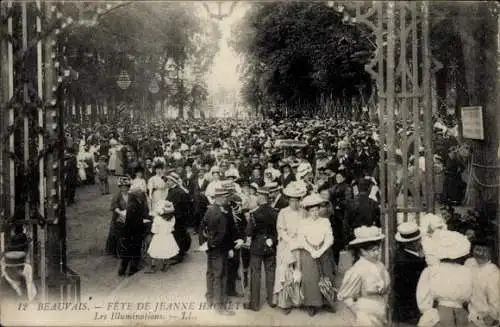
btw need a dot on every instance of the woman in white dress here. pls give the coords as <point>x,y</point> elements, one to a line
<point>163,245</point>
<point>366,284</point>
<point>444,289</point>
<point>157,187</point>
<point>113,156</point>
<point>287,225</point>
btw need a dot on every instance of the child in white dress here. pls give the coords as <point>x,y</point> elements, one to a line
<point>163,245</point>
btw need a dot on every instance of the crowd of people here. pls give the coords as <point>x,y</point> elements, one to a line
<point>289,196</point>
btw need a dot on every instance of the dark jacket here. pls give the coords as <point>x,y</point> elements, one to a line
<point>281,202</point>
<point>133,231</point>
<point>284,181</point>
<point>216,229</point>
<point>407,270</point>
<point>364,212</point>
<point>262,225</point>
<point>148,173</point>
<point>182,211</point>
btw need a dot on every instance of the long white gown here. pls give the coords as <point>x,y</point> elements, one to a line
<point>287,226</point>
<point>163,244</point>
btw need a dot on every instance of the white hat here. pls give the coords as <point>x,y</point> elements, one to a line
<point>431,222</point>
<point>163,207</point>
<point>232,173</point>
<point>295,190</point>
<point>312,200</point>
<point>303,170</point>
<point>174,177</point>
<point>450,245</point>
<point>365,234</point>
<point>408,232</point>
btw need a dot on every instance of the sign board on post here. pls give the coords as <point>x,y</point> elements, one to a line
<point>472,123</point>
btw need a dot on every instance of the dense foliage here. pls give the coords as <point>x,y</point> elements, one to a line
<point>165,42</point>
<point>297,54</point>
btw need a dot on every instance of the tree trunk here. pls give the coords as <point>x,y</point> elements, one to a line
<point>481,59</point>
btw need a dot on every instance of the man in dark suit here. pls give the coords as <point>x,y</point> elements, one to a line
<point>216,232</point>
<point>262,236</point>
<point>179,196</point>
<point>365,211</point>
<point>409,263</point>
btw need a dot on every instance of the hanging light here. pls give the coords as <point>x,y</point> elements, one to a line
<point>123,80</point>
<point>220,15</point>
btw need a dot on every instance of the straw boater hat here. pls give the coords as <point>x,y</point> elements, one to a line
<point>295,190</point>
<point>164,207</point>
<point>220,190</point>
<point>174,177</point>
<point>450,245</point>
<point>312,201</point>
<point>264,190</point>
<point>124,181</point>
<point>232,173</point>
<point>365,234</point>
<point>408,232</point>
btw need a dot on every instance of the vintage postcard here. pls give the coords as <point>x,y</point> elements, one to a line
<point>249,163</point>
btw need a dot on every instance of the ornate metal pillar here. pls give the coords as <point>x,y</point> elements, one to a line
<point>401,68</point>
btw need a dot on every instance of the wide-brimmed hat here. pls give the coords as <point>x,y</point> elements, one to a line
<point>431,222</point>
<point>174,177</point>
<point>232,173</point>
<point>312,200</point>
<point>124,181</point>
<point>303,170</point>
<point>450,245</point>
<point>223,188</point>
<point>164,207</point>
<point>408,232</point>
<point>295,190</point>
<point>365,234</point>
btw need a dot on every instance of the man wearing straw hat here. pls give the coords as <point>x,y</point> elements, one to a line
<point>220,247</point>
<point>408,265</point>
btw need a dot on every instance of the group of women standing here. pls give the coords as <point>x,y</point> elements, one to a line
<point>304,259</point>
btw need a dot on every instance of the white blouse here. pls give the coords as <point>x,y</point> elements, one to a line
<point>448,283</point>
<point>315,235</point>
<point>485,298</point>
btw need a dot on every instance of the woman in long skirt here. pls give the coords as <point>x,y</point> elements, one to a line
<point>286,290</point>
<point>315,253</point>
